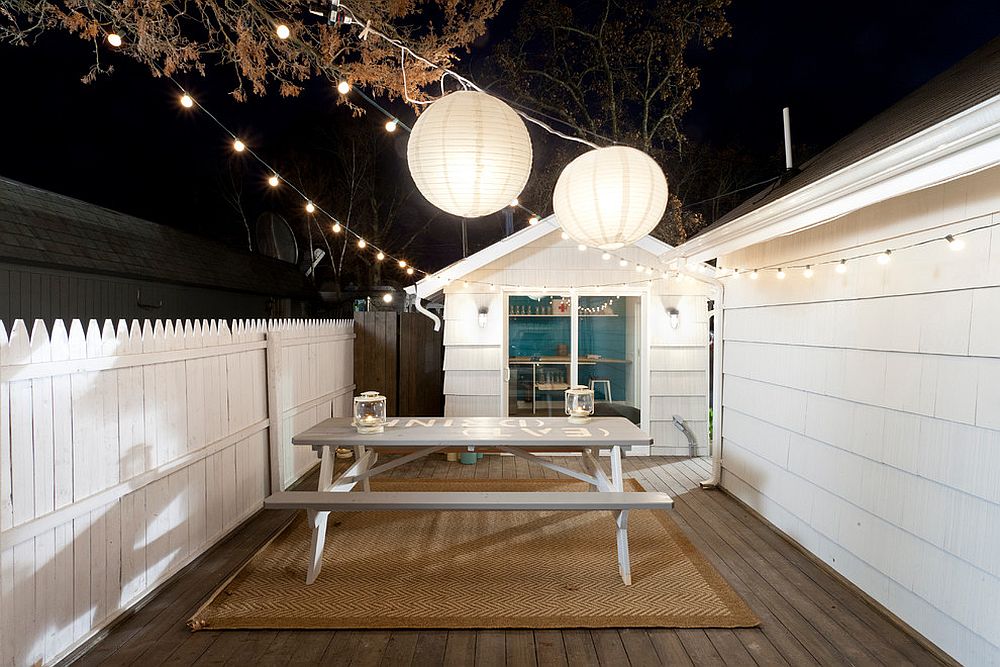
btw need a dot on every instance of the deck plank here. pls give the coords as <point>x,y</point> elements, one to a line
<point>808,616</point>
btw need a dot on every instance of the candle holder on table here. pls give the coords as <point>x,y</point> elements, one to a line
<point>369,412</point>
<point>579,404</point>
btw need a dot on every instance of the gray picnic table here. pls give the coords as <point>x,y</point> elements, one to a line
<point>519,436</point>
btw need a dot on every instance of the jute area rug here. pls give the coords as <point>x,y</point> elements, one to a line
<point>478,570</point>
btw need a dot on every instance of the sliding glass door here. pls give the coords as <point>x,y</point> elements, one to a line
<point>555,341</point>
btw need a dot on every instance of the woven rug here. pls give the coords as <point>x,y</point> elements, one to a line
<point>478,570</point>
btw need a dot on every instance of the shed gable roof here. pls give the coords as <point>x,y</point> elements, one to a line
<point>39,227</point>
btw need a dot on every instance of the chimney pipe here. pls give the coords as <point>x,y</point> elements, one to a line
<point>788,139</point>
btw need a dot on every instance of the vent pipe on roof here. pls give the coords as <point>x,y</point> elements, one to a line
<point>788,139</point>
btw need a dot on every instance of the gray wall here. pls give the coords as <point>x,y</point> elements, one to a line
<point>31,293</point>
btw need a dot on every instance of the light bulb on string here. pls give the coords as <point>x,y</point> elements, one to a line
<point>114,39</point>
<point>581,247</point>
<point>885,257</point>
<point>391,125</point>
<point>362,243</point>
<point>808,272</point>
<point>273,181</point>
<point>310,207</point>
<point>336,228</point>
<point>606,256</point>
<point>736,274</point>
<point>953,243</point>
<point>239,146</point>
<point>781,274</point>
<point>283,31</point>
<point>753,275</point>
<point>493,288</point>
<point>533,220</point>
<point>343,87</point>
<point>409,270</point>
<point>380,256</point>
<point>387,297</point>
<point>842,266</point>
<point>402,263</point>
<point>564,236</point>
<point>623,263</point>
<point>649,270</point>
<point>514,202</point>
<point>187,101</point>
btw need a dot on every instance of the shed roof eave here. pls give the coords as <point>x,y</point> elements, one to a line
<point>961,145</point>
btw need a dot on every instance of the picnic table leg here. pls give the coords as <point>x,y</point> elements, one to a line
<point>359,451</point>
<point>624,567</point>
<point>317,520</point>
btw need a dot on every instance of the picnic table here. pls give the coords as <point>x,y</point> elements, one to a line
<point>417,437</point>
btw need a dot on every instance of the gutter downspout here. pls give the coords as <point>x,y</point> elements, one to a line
<point>421,309</point>
<point>720,289</point>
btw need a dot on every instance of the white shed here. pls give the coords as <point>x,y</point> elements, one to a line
<point>532,314</point>
<point>861,394</point>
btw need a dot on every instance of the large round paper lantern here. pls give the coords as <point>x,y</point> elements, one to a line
<point>610,197</point>
<point>469,154</point>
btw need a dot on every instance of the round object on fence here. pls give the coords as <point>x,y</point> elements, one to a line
<point>469,154</point>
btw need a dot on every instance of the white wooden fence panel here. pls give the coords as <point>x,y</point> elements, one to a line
<point>127,450</point>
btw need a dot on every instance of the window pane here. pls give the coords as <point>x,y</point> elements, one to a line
<point>538,335</point>
<point>609,353</point>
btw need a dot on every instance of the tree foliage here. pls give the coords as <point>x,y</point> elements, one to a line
<point>617,70</point>
<point>173,36</point>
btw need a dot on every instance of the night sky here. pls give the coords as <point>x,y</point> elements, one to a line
<point>124,142</point>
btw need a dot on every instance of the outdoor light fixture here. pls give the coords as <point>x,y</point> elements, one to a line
<point>808,273</point>
<point>369,412</point>
<point>336,228</point>
<point>283,31</point>
<point>482,317</point>
<point>273,181</point>
<point>469,154</point>
<point>842,266</point>
<point>953,243</point>
<point>610,197</point>
<point>343,87</point>
<point>114,39</point>
<point>675,317</point>
<point>885,257</point>
<point>310,207</point>
<point>362,243</point>
<point>186,101</point>
<point>391,125</point>
<point>387,297</point>
<point>380,256</point>
<point>239,146</point>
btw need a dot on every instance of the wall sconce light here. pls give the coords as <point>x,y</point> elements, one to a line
<point>675,317</point>
<point>482,317</point>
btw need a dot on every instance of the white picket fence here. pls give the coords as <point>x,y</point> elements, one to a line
<point>127,450</point>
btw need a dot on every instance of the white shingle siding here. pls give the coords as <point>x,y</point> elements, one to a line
<point>862,411</point>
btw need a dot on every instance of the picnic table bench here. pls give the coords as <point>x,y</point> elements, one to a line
<point>421,436</point>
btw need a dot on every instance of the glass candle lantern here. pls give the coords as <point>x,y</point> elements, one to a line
<point>579,404</point>
<point>369,412</point>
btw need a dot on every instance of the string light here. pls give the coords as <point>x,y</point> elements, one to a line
<point>283,31</point>
<point>409,270</point>
<point>781,274</point>
<point>623,263</point>
<point>239,146</point>
<point>362,243</point>
<point>581,247</point>
<point>310,207</point>
<point>533,220</point>
<point>736,274</point>
<point>380,256</point>
<point>402,263</point>
<point>638,268</point>
<point>808,272</point>
<point>753,275</point>
<point>884,257</point>
<point>387,297</point>
<point>391,125</point>
<point>606,256</point>
<point>114,39</point>
<point>842,266</point>
<point>343,87</point>
<point>336,228</point>
<point>186,101</point>
<point>273,180</point>
<point>953,243</point>
<point>564,236</point>
<point>514,203</point>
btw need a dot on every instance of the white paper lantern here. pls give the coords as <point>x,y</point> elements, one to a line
<point>610,197</point>
<point>469,154</point>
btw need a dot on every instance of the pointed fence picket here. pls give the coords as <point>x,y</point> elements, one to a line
<point>127,449</point>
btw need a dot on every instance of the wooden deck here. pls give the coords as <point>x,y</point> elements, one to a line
<point>808,617</point>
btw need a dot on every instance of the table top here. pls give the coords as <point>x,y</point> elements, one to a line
<point>549,433</point>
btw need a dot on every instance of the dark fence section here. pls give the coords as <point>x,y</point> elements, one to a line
<point>401,356</point>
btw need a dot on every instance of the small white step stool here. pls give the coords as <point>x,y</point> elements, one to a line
<point>607,388</point>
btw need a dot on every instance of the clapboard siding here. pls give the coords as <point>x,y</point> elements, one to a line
<point>126,450</point>
<point>861,409</point>
<point>678,358</point>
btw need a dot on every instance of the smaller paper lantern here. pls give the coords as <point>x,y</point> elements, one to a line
<point>469,154</point>
<point>610,197</point>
